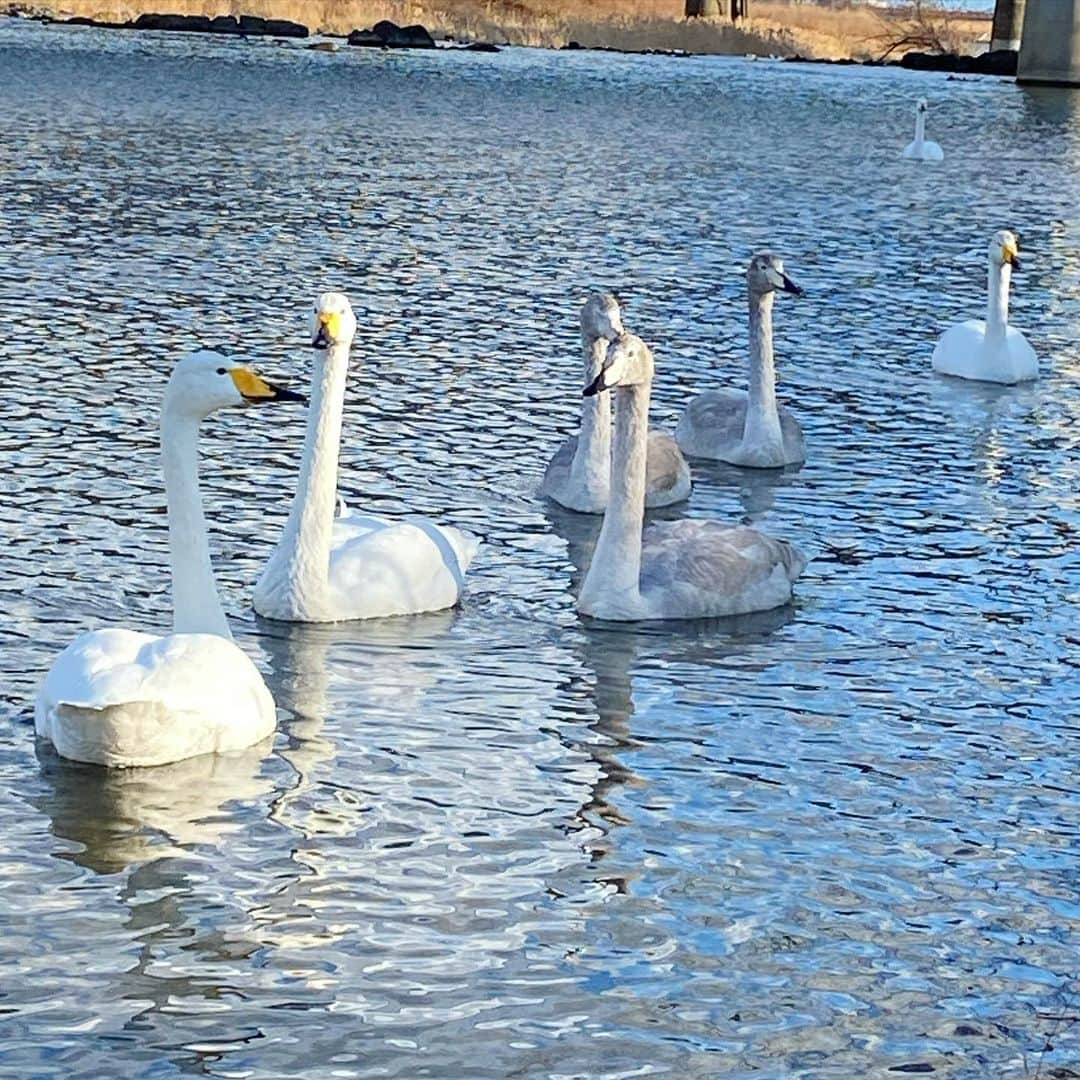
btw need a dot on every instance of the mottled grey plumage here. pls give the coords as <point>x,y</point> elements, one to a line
<point>687,569</point>
<point>666,472</point>
<point>749,429</point>
<point>694,568</point>
<point>713,424</point>
<point>586,488</point>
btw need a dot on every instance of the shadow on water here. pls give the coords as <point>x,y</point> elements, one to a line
<point>123,817</point>
<point>611,651</point>
<point>756,489</point>
<point>1056,106</point>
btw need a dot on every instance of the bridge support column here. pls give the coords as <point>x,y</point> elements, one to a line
<point>1008,22</point>
<point>1050,48</point>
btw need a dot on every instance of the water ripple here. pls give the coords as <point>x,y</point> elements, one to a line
<point>836,841</point>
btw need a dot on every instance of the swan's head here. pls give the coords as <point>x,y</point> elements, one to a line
<point>628,362</point>
<point>922,106</point>
<point>205,381</point>
<point>766,275</point>
<point>600,318</point>
<point>1005,249</point>
<point>333,322</point>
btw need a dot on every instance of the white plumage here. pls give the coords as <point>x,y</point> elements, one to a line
<point>399,566</point>
<point>921,148</point>
<point>122,698</point>
<point>357,566</point>
<point>990,350</point>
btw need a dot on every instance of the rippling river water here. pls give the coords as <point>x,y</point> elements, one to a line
<point>836,841</point>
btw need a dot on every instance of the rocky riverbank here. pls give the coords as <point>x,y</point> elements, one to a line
<point>779,30</point>
<point>998,62</point>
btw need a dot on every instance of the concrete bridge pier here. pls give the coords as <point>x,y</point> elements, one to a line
<point>1050,48</point>
<point>1008,24</point>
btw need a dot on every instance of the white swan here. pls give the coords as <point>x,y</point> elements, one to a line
<point>921,148</point>
<point>577,477</point>
<point>355,566</point>
<point>749,429</point>
<point>990,350</point>
<point>123,698</point>
<point>682,569</point>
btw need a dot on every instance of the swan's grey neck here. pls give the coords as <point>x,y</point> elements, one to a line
<point>762,418</point>
<point>997,308</point>
<point>920,128</point>
<point>305,542</point>
<point>196,604</point>
<point>592,458</point>
<point>614,575</point>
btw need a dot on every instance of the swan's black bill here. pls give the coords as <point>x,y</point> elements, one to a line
<point>597,386</point>
<point>791,287</point>
<point>322,339</point>
<point>1013,260</point>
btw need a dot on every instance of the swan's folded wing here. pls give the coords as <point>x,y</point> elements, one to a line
<point>959,350</point>
<point>183,672</point>
<point>721,569</point>
<point>385,567</point>
<point>665,467</point>
<point>119,698</point>
<point>558,470</point>
<point>712,422</point>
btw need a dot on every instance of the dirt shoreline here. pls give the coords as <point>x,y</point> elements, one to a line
<point>779,30</point>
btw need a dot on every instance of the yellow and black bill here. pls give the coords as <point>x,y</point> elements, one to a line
<point>255,389</point>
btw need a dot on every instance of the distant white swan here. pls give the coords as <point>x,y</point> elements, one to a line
<point>682,569</point>
<point>921,148</point>
<point>990,350</point>
<point>579,474</point>
<point>123,698</point>
<point>354,566</point>
<point>749,429</point>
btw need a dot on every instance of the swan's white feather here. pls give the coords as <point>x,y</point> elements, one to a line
<point>123,698</point>
<point>383,566</point>
<point>928,151</point>
<point>329,568</point>
<point>963,351</point>
<point>713,425</point>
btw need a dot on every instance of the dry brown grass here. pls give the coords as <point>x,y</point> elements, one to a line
<point>777,27</point>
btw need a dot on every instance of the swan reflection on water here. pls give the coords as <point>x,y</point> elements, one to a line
<point>123,817</point>
<point>611,652</point>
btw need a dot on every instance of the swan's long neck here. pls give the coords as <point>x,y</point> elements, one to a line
<point>762,417</point>
<point>592,459</point>
<point>196,604</point>
<point>305,541</point>
<point>997,308</point>
<point>920,128</point>
<point>615,570</point>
